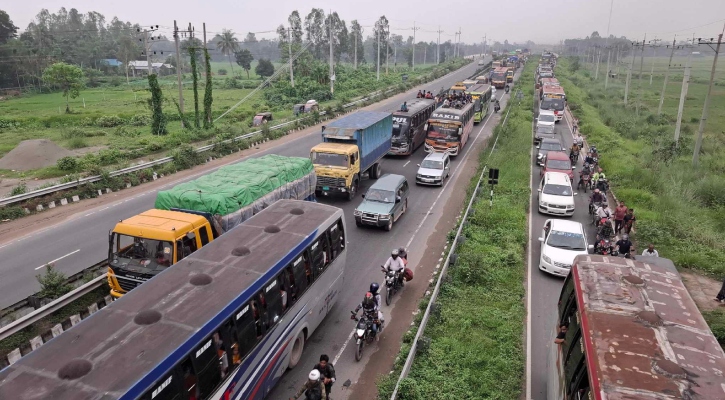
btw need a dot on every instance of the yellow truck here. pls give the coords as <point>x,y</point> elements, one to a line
<point>352,146</point>
<point>194,213</point>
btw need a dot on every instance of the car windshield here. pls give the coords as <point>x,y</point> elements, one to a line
<point>382,196</point>
<point>557,190</point>
<point>558,164</point>
<point>566,240</point>
<point>547,118</point>
<point>149,250</point>
<point>547,146</point>
<point>552,104</point>
<point>329,159</point>
<point>432,164</point>
<point>443,133</point>
<point>544,128</point>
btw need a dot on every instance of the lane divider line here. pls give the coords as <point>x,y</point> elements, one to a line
<point>58,259</point>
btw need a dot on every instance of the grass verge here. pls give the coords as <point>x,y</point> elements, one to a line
<point>473,347</point>
<point>679,208</point>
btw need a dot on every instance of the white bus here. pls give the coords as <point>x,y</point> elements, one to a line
<point>224,323</point>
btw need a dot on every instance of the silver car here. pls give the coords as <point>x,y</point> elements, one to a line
<point>434,169</point>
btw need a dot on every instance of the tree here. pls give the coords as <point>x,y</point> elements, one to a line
<point>228,45</point>
<point>265,68</point>
<point>7,29</point>
<point>68,78</point>
<point>244,59</point>
<point>316,32</point>
<point>208,98</point>
<point>53,284</point>
<point>250,38</point>
<point>382,28</point>
<point>158,119</point>
<point>127,51</point>
<point>355,42</point>
<point>295,23</point>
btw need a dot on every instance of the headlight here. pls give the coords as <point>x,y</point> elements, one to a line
<point>543,204</point>
<point>384,216</point>
<point>547,259</point>
<point>357,213</point>
<point>418,176</point>
<point>569,207</point>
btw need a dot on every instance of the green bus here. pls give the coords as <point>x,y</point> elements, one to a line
<point>481,95</point>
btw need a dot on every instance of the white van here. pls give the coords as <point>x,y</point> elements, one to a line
<point>556,195</point>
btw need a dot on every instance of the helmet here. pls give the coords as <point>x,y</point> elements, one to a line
<point>395,253</point>
<point>596,190</point>
<point>625,237</point>
<point>369,295</point>
<point>314,375</point>
<point>374,287</point>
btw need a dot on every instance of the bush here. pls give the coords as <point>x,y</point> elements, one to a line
<point>71,133</point>
<point>52,283</point>
<point>10,213</point>
<point>185,157</point>
<point>77,143</point>
<point>710,190</point>
<point>21,188</point>
<point>67,164</point>
<point>222,71</point>
<point>109,121</point>
<point>115,81</point>
<point>140,120</point>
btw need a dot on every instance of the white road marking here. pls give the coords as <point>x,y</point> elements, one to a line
<point>58,259</point>
<point>528,290</point>
<point>445,185</point>
<point>406,163</point>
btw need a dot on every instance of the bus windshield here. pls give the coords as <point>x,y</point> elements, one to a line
<point>499,75</point>
<point>330,159</point>
<point>442,133</point>
<point>400,130</point>
<point>477,104</point>
<point>552,104</point>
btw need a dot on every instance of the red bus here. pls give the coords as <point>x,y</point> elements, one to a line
<point>448,129</point>
<point>633,333</point>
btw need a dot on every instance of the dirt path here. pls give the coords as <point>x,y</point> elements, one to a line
<point>703,289</point>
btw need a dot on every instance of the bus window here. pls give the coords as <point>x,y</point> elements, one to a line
<point>246,330</point>
<point>300,276</point>
<point>320,254</point>
<point>206,365</point>
<point>190,382</point>
<point>222,355</point>
<point>337,238</point>
<point>290,286</point>
<point>273,297</point>
<point>167,388</point>
<point>579,387</point>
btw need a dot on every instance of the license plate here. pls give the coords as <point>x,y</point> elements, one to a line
<point>427,180</point>
<point>325,188</point>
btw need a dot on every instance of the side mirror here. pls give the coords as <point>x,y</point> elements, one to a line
<point>538,190</point>
<point>397,199</point>
<point>323,128</point>
<point>538,147</point>
<point>573,168</point>
<point>541,239</point>
<point>363,195</point>
<point>419,165</point>
<point>590,247</point>
<point>575,193</point>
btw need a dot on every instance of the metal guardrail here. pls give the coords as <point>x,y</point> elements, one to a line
<point>426,316</point>
<point>22,323</point>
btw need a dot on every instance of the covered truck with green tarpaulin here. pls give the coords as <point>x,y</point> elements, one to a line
<point>194,213</point>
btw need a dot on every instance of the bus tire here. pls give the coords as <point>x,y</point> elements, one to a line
<point>297,347</point>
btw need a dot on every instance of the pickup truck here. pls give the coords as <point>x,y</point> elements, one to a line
<point>351,146</point>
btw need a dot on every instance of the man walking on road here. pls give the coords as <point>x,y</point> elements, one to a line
<point>328,373</point>
<point>619,213</point>
<point>650,251</point>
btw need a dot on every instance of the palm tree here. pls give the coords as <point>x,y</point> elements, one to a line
<point>228,45</point>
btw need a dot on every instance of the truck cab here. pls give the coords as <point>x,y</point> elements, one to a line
<point>336,166</point>
<point>144,245</point>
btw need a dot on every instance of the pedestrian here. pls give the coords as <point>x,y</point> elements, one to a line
<point>327,371</point>
<point>650,251</point>
<point>619,213</point>
<point>721,294</point>
<point>629,221</point>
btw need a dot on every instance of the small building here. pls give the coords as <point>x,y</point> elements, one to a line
<point>142,67</point>
<point>112,62</point>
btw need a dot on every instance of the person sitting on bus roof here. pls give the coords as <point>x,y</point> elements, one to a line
<point>446,103</point>
<point>562,334</point>
<point>419,95</point>
<point>429,95</point>
<point>404,107</point>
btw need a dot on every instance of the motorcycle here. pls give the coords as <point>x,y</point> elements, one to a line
<point>593,207</point>
<point>584,180</point>
<point>496,108</point>
<point>392,284</point>
<point>574,157</point>
<point>604,247</point>
<point>602,185</point>
<point>363,332</point>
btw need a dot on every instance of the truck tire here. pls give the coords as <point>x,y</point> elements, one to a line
<point>353,189</point>
<point>376,171</point>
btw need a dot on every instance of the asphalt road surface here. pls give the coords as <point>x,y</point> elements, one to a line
<point>79,242</point>
<point>544,288</point>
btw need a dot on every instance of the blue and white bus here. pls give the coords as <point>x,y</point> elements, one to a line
<point>224,323</point>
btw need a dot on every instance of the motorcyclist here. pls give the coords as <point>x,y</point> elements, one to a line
<point>601,182</point>
<point>375,290</point>
<point>313,389</point>
<point>496,106</point>
<point>370,310</point>
<point>603,212</point>
<point>624,245</point>
<point>597,197</point>
<point>506,88</point>
<point>574,151</point>
<point>395,263</point>
<point>579,139</point>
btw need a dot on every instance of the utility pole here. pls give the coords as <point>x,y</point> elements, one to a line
<point>458,43</point>
<point>378,73</point>
<point>178,71</point>
<point>291,64</point>
<point>483,51</point>
<point>332,59</point>
<point>599,58</point>
<point>414,44</point>
<point>438,51</point>
<point>703,120</point>
<point>667,76</point>
<point>639,83</point>
<point>387,58</point>
<point>629,75</point>
<point>606,78</point>
<point>654,54</point>
<point>683,94</point>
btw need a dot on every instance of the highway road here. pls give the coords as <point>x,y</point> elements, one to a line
<point>81,241</point>
<point>544,288</point>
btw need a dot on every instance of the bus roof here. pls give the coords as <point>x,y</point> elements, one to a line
<point>479,89</point>
<point>450,114</point>
<point>414,106</point>
<point>501,69</point>
<point>553,89</point>
<point>151,328</point>
<point>647,339</point>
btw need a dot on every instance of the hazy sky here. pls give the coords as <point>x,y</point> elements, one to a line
<point>543,21</point>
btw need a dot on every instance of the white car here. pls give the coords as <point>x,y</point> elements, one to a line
<point>561,241</point>
<point>434,169</point>
<point>556,195</point>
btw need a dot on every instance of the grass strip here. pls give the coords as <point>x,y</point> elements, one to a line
<point>472,347</point>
